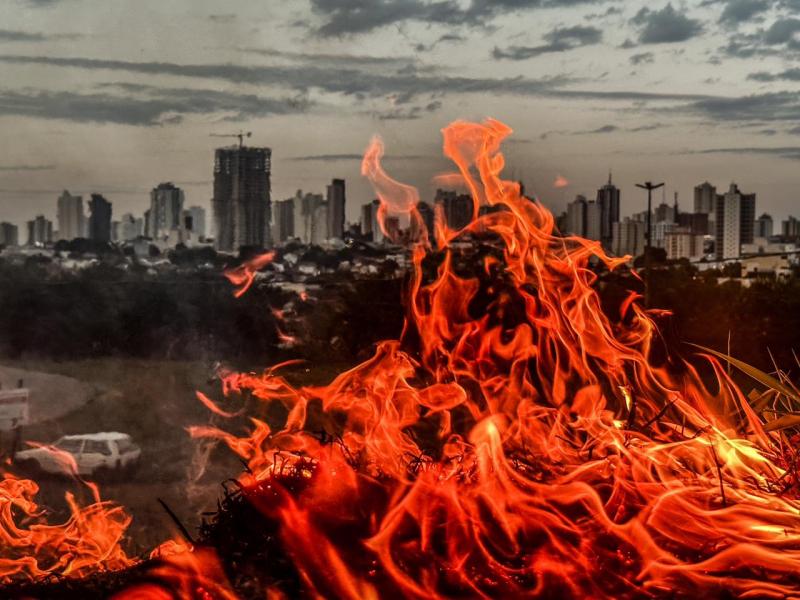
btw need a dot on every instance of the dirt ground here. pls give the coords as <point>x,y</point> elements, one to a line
<point>154,402</point>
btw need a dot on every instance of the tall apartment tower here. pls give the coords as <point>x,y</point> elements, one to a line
<point>608,201</point>
<point>242,197</point>
<point>70,216</point>
<point>576,216</point>
<point>735,219</point>
<point>283,220</point>
<point>336,209</point>
<point>99,219</point>
<point>9,234</point>
<point>198,214</point>
<point>40,231</point>
<point>705,198</point>
<point>166,206</point>
<point>763,226</point>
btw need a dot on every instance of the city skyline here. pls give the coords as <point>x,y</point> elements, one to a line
<point>110,101</point>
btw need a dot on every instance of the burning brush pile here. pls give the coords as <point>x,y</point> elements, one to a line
<point>514,441</point>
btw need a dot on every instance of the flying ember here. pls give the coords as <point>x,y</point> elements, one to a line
<point>515,441</point>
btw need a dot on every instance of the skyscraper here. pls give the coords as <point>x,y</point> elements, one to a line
<point>628,237</point>
<point>198,214</point>
<point>99,219</point>
<point>594,220</point>
<point>705,197</point>
<point>763,226</point>
<point>576,217</point>
<point>242,197</point>
<point>40,231</point>
<point>70,216</point>
<point>735,218</point>
<point>457,208</point>
<point>283,220</point>
<point>9,234</point>
<point>166,205</point>
<point>130,227</point>
<point>608,201</point>
<point>791,227</point>
<point>336,209</point>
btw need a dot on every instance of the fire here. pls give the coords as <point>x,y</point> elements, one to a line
<point>91,539</point>
<point>515,440</point>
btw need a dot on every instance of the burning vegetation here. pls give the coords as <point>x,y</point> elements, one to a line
<point>514,441</point>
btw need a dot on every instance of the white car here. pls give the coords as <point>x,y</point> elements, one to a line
<point>106,453</point>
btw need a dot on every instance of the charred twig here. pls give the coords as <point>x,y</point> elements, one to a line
<point>719,475</point>
<point>184,532</point>
<point>658,415</point>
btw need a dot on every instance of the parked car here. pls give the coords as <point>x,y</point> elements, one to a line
<point>95,454</point>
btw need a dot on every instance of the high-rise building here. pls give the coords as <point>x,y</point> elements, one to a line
<point>336,209</point>
<point>576,217</point>
<point>70,216</point>
<point>791,227</point>
<point>628,237</point>
<point>426,219</point>
<point>735,218</point>
<point>283,220</point>
<point>697,223</point>
<point>166,206</point>
<point>9,234</point>
<point>608,201</point>
<point>99,219</point>
<point>306,210</point>
<point>763,226</point>
<point>198,214</point>
<point>40,231</point>
<point>369,221</point>
<point>319,223</point>
<point>457,208</point>
<point>594,221</point>
<point>130,227</point>
<point>664,213</point>
<point>682,243</point>
<point>705,198</point>
<point>242,197</point>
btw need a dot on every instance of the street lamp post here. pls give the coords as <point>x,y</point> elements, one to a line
<point>649,186</point>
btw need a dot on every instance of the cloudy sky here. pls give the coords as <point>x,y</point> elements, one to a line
<point>116,96</point>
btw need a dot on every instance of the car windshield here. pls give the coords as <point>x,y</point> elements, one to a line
<point>69,445</point>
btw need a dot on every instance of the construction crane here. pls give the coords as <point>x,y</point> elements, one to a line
<point>241,135</point>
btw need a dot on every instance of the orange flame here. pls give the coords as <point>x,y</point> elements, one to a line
<point>533,452</point>
<point>31,548</point>
<point>243,276</point>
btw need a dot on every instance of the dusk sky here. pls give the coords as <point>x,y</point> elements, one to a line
<point>116,96</point>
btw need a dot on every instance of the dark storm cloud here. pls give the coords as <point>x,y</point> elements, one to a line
<point>777,40</point>
<point>20,36</point>
<point>25,168</point>
<point>665,26</point>
<point>786,75</point>
<point>559,39</point>
<point>140,105</point>
<point>779,106</point>
<point>742,11</point>
<point>603,129</point>
<point>352,82</point>
<point>642,58</point>
<point>348,17</point>
<point>791,152</point>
